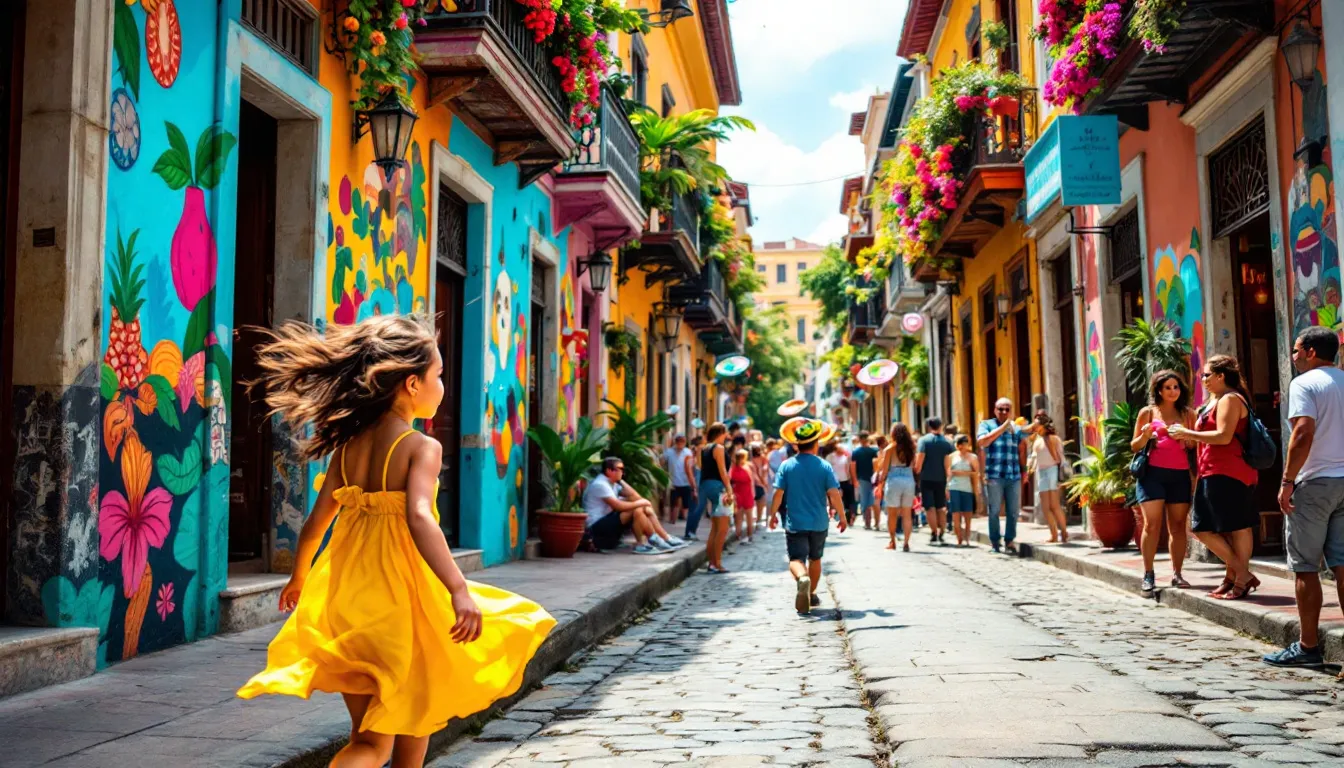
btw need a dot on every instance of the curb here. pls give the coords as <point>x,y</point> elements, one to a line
<point>1271,626</point>
<point>573,633</point>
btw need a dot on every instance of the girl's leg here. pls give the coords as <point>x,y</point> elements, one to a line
<point>409,751</point>
<point>1057,509</point>
<point>1154,515</point>
<point>721,525</point>
<point>1178,516</point>
<point>1049,518</point>
<point>1243,542</point>
<point>1221,547</point>
<point>906,519</point>
<point>963,527</point>
<point>366,748</point>
<point>891,527</point>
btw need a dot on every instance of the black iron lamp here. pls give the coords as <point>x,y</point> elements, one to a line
<point>1301,49</point>
<point>390,121</point>
<point>598,267</point>
<point>669,11</point>
<point>669,320</point>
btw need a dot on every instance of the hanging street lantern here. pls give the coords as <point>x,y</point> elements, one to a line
<point>598,266</point>
<point>390,121</point>
<point>669,321</point>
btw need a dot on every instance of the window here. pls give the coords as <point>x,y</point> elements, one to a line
<point>802,267</point>
<point>668,101</point>
<point>639,69</point>
<point>802,330</point>
<point>760,268</point>
<point>778,303</point>
<point>781,273</point>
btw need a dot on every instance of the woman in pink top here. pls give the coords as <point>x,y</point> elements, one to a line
<point>1225,509</point>
<point>1165,489</point>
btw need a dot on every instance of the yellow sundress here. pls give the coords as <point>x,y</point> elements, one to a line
<point>374,619</point>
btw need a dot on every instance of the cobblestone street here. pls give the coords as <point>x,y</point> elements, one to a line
<point>969,659</point>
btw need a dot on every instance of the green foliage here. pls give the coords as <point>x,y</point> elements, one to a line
<point>174,166</point>
<point>376,49</point>
<point>126,45</point>
<point>1146,348</point>
<point>995,36</point>
<point>1102,475</point>
<point>676,152</point>
<point>826,282</point>
<point>637,443</point>
<point>777,363</point>
<point>568,462</point>
<point>913,358</point>
<point>622,345</point>
<point>843,357</point>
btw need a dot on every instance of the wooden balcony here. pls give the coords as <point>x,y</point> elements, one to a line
<point>865,318</point>
<point>669,247</point>
<point>499,81</point>
<point>599,186</point>
<point>708,309</point>
<point>991,165</point>
<point>1208,30</point>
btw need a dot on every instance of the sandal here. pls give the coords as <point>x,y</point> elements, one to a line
<point>907,547</point>
<point>1178,581</point>
<point>892,545</point>
<point>1222,589</point>
<point>1238,591</point>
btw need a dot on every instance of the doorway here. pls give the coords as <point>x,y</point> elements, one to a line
<point>537,357</point>
<point>989,331</point>
<point>451,272</point>
<point>1258,347</point>
<point>250,446</point>
<point>1061,271</point>
<point>968,371</point>
<point>11,116</point>
<point>1018,290</point>
<point>1127,275</point>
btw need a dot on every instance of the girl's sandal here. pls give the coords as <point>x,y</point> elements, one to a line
<point>1222,589</point>
<point>1237,592</point>
<point>1178,581</point>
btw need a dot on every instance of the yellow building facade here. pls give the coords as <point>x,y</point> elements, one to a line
<point>779,264</point>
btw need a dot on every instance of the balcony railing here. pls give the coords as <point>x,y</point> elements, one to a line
<point>1003,139</point>
<point>505,18</point>
<point>686,217</point>
<point>866,316</point>
<point>609,144</point>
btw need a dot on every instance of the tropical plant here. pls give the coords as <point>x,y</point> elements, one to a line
<point>777,365</point>
<point>1146,348</point>
<point>826,284</point>
<point>1097,479</point>
<point>126,354</point>
<point>636,444</point>
<point>567,463</point>
<point>622,345</point>
<point>913,359</point>
<point>995,35</point>
<point>1154,21</point>
<point>676,152</point>
<point>376,38</point>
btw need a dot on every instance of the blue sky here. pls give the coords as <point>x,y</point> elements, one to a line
<point>805,65</point>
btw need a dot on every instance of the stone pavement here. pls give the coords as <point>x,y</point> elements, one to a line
<point>177,708</point>
<point>975,659</point>
<point>724,673</point>
<point>1269,613</point>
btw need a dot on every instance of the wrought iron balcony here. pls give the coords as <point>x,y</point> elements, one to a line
<point>708,309</point>
<point>865,317</point>
<point>904,294</point>
<point>669,248</point>
<point>991,167</point>
<point>599,185</point>
<point>1208,29</point>
<point>500,81</point>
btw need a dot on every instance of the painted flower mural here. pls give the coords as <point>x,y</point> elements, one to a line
<point>128,525</point>
<point>1178,294</point>
<point>1315,253</point>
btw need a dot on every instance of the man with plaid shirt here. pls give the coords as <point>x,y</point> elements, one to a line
<point>1005,458</point>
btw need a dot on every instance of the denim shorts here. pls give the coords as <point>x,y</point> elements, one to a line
<point>866,494</point>
<point>1162,484</point>
<point>710,494</point>
<point>1047,479</point>
<point>900,491</point>
<point>960,501</point>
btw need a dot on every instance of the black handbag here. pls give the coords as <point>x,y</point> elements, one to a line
<point>1138,466</point>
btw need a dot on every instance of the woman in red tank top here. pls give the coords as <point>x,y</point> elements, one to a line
<point>1224,511</point>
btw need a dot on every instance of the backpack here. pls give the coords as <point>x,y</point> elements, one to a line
<point>1258,447</point>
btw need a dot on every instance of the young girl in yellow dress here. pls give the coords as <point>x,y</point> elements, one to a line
<point>384,616</point>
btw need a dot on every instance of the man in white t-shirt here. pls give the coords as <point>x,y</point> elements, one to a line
<point>1312,493</point>
<point>681,469</point>
<point>611,505</point>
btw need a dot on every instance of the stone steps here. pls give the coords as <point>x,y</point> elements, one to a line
<point>35,657</point>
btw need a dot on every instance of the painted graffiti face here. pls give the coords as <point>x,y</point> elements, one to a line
<point>502,324</point>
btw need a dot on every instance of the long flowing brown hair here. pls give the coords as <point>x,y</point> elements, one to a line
<point>1231,371</point>
<point>341,382</point>
<point>903,443</point>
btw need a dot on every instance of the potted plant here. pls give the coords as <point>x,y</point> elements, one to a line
<point>1102,481</point>
<point>566,464</point>
<point>638,445</point>
<point>622,345</point>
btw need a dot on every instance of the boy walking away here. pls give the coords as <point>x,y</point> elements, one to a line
<point>931,454</point>
<point>812,490</point>
<point>863,459</point>
<point>1312,492</point>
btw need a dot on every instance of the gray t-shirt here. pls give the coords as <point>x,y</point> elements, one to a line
<point>676,466</point>
<point>935,448</point>
<point>599,489</point>
<point>1319,393</point>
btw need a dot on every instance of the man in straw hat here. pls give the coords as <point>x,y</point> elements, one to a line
<point>812,490</point>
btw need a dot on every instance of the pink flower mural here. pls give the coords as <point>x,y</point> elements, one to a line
<point>129,525</point>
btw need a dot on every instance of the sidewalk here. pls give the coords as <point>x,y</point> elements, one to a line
<point>1269,613</point>
<point>177,708</point>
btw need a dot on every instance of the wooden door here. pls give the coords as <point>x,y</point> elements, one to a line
<point>451,270</point>
<point>11,81</point>
<point>251,449</point>
<point>536,488</point>
<point>1022,364</point>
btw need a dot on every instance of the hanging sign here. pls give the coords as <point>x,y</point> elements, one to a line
<point>1076,160</point>
<point>912,322</point>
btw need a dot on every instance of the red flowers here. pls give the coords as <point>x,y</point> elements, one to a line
<point>402,22</point>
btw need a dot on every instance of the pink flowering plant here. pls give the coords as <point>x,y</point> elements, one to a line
<point>1083,36</point>
<point>921,186</point>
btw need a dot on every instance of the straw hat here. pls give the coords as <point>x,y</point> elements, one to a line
<point>803,431</point>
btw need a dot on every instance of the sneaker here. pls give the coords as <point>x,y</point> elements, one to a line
<point>933,539</point>
<point>1295,655</point>
<point>659,544</point>
<point>645,549</point>
<point>1149,583</point>
<point>996,549</point>
<point>803,602</point>
<point>677,543</point>
<point>690,537</point>
<point>815,600</point>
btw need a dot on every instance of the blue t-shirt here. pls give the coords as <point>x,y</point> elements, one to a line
<point>805,479</point>
<point>863,462</point>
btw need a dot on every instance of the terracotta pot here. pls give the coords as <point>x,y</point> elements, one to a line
<point>1112,524</point>
<point>1004,106</point>
<point>560,532</point>
<point>1138,532</point>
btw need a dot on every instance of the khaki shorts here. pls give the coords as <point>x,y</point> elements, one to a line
<point>1315,529</point>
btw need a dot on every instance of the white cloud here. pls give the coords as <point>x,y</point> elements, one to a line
<point>764,159</point>
<point>778,39</point>
<point>853,101</point>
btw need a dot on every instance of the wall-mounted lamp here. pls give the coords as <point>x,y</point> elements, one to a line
<point>598,267</point>
<point>669,320</point>
<point>1002,302</point>
<point>1301,49</point>
<point>669,11</point>
<point>390,121</point>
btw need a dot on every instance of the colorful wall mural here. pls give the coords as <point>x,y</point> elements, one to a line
<point>165,383</point>
<point>493,478</point>
<point>1314,250</point>
<point>1178,297</point>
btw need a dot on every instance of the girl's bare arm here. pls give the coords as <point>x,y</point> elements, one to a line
<point>310,537</point>
<point>429,540</point>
